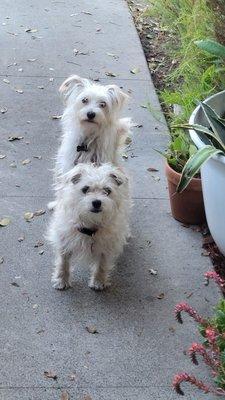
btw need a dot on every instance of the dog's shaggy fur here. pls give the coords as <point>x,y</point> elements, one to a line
<point>90,220</point>
<point>92,129</point>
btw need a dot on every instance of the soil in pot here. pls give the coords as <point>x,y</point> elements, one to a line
<point>188,206</point>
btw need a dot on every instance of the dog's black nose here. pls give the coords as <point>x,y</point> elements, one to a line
<point>96,204</point>
<point>91,115</point>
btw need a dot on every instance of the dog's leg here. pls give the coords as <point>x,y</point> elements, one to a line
<point>61,274</point>
<point>100,278</point>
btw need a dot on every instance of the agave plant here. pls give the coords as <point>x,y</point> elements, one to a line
<point>214,143</point>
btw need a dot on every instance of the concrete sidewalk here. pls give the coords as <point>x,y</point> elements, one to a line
<point>139,345</point>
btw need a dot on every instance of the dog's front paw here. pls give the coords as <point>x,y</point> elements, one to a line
<point>60,283</point>
<point>96,284</point>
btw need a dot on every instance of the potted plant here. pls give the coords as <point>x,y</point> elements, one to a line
<point>210,140</point>
<point>207,130</point>
<point>188,206</point>
<point>212,348</point>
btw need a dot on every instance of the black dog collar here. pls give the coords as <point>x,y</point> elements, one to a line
<point>82,147</point>
<point>87,231</point>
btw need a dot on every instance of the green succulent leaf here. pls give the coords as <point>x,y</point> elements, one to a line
<point>217,124</point>
<point>194,163</point>
<point>205,134</point>
<point>211,47</point>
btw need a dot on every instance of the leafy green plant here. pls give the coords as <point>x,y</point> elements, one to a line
<point>194,73</point>
<point>214,143</point>
<point>211,47</point>
<point>212,349</point>
<point>179,150</point>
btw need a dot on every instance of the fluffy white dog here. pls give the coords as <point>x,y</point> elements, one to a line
<point>90,221</point>
<point>92,129</point>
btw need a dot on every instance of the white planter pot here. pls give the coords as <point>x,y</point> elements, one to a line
<point>212,174</point>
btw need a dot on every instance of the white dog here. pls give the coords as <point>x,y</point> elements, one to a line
<point>90,220</point>
<point>92,129</point>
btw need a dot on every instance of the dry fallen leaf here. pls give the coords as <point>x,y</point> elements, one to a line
<point>31,30</point>
<point>135,70</point>
<point>2,156</point>
<point>21,239</point>
<point>161,296</point>
<point>152,169</point>
<point>20,70</point>
<point>20,91</point>
<point>38,157</point>
<point>56,116</point>
<point>50,375</point>
<point>41,252</point>
<point>32,59</point>
<point>25,162</point>
<point>51,79</point>
<point>28,216</point>
<point>72,377</point>
<point>6,81</point>
<point>40,87</point>
<point>91,329</point>
<point>125,156</point>
<point>153,271</point>
<point>1,260</point>
<point>108,73</point>
<point>14,284</point>
<point>86,12</point>
<point>12,138</point>
<point>13,165</point>
<point>65,395</point>
<point>39,212</point>
<point>5,221</point>
<point>112,55</point>
<point>3,110</point>
<point>39,243</point>
<point>128,140</point>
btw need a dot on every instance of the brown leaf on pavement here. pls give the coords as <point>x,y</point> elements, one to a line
<point>64,395</point>
<point>50,375</point>
<point>28,216</point>
<point>12,138</point>
<point>91,329</point>
<point>161,296</point>
<point>39,243</point>
<point>25,162</point>
<point>1,260</point>
<point>5,221</point>
<point>39,212</point>
<point>152,169</point>
<point>3,110</point>
<point>2,156</point>
<point>109,73</point>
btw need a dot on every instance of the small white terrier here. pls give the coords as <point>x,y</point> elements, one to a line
<point>90,221</point>
<point>92,129</point>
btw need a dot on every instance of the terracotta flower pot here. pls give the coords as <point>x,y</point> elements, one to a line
<point>188,206</point>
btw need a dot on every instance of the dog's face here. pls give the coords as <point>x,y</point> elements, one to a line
<point>93,105</point>
<point>95,193</point>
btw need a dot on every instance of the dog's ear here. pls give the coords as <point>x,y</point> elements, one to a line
<point>76,178</point>
<point>118,177</point>
<point>117,95</point>
<point>70,83</point>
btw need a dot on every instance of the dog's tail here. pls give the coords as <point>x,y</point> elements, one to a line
<point>124,131</point>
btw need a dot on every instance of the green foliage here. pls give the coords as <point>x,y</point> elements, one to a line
<point>211,47</point>
<point>196,73</point>
<point>213,139</point>
<point>179,150</point>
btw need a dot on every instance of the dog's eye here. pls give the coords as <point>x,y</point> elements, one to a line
<point>85,189</point>
<point>107,190</point>
<point>102,104</point>
<point>85,100</point>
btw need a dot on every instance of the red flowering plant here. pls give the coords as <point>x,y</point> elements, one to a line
<point>212,349</point>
